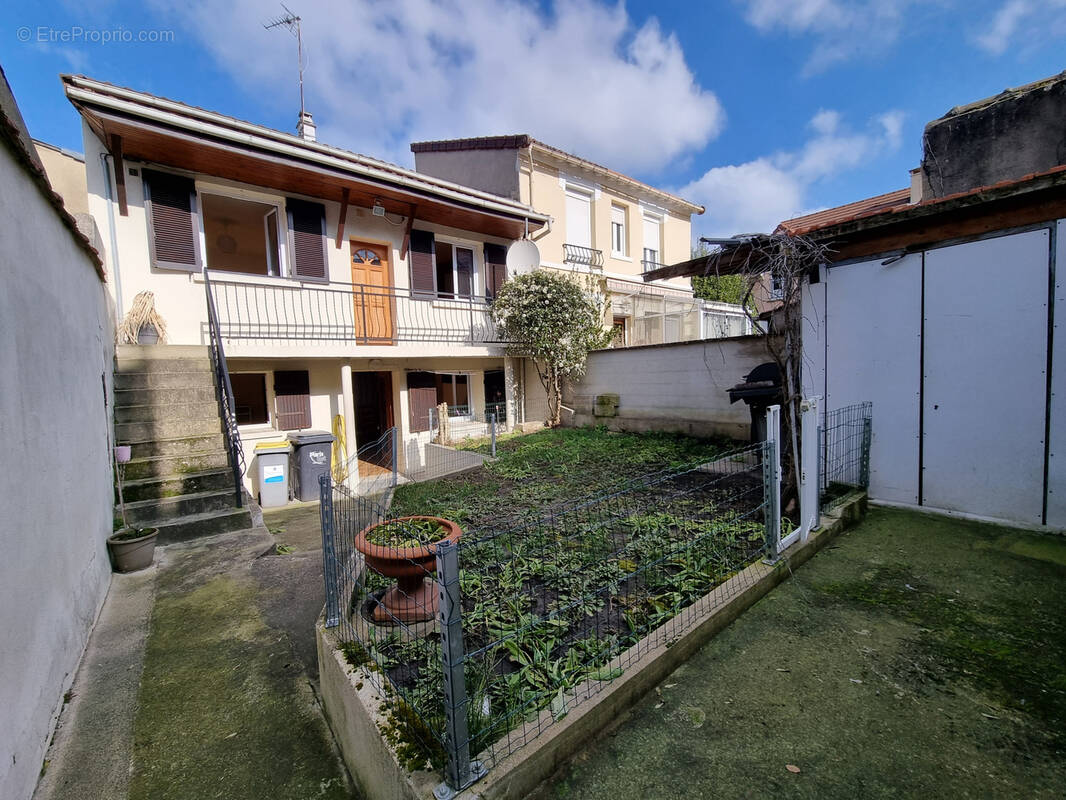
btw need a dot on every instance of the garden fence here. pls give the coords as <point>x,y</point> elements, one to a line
<point>485,641</point>
<point>844,439</point>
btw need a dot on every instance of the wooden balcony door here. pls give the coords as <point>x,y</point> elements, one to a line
<point>373,299</point>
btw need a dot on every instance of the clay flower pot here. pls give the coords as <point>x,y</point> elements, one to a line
<point>412,599</point>
<point>131,553</point>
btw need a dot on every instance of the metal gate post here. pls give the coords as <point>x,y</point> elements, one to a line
<point>864,463</point>
<point>329,551</point>
<point>492,422</point>
<point>809,467</point>
<point>460,771</point>
<point>772,482</point>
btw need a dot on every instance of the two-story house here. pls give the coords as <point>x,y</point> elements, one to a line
<point>339,285</point>
<point>601,222</point>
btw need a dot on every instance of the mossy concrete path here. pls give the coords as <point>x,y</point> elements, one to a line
<point>918,656</point>
<point>226,705</point>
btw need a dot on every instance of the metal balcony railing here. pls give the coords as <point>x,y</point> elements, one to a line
<point>587,256</point>
<point>649,266</point>
<point>344,312</point>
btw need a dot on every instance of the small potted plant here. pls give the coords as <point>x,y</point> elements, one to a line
<point>131,548</point>
<point>405,549</point>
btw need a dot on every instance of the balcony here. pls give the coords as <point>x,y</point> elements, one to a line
<point>582,256</point>
<point>648,265</point>
<point>276,311</point>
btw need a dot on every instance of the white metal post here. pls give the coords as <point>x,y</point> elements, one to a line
<point>808,493</point>
<point>773,503</point>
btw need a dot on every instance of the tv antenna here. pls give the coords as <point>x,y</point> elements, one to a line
<point>292,22</point>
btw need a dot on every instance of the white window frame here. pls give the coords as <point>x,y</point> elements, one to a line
<point>776,290</point>
<point>268,391</point>
<point>252,197</point>
<point>656,220</point>
<point>623,251</point>
<point>478,268</point>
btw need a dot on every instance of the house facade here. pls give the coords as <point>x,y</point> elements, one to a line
<point>343,288</point>
<point>602,223</point>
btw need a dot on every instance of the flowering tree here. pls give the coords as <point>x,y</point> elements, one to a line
<point>552,320</point>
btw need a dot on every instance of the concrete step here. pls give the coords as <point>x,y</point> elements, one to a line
<point>135,365</point>
<point>163,358</point>
<point>195,526</point>
<point>171,465</point>
<point>192,445</point>
<point>128,432</point>
<point>187,379</point>
<point>159,397</point>
<point>156,352</point>
<point>166,412</point>
<point>153,512</point>
<point>155,488</point>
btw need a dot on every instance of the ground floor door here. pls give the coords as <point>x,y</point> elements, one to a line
<point>373,415</point>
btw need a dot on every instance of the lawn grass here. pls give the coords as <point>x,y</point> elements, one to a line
<point>549,468</point>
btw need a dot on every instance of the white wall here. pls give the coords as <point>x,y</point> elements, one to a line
<point>56,351</point>
<point>967,436</point>
<point>672,387</point>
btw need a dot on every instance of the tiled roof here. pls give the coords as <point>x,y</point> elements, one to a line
<point>845,213</point>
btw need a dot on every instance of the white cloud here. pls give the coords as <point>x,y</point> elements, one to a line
<point>379,75</point>
<point>755,196</point>
<point>1023,23</point>
<point>841,29</point>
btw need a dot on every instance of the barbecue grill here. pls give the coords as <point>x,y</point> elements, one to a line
<point>760,389</point>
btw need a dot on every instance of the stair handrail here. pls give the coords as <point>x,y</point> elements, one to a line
<point>224,394</point>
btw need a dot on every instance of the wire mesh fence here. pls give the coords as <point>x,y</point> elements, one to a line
<point>844,439</point>
<point>522,624</point>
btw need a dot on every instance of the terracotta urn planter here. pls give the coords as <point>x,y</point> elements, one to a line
<point>412,598</point>
<point>132,548</point>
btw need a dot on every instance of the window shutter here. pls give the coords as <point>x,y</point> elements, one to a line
<point>421,398</point>
<point>172,230</point>
<point>495,269</point>
<point>423,263</point>
<point>292,399</point>
<point>307,239</point>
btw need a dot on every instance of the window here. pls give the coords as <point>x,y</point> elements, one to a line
<point>495,270</point>
<point>618,335</point>
<point>619,243</point>
<point>453,388</point>
<point>777,288</point>
<point>240,235</point>
<point>578,218</point>
<point>292,399</point>
<point>170,207</point>
<point>455,270</point>
<point>652,240</point>
<point>250,398</point>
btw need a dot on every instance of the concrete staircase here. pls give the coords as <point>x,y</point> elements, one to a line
<point>179,478</point>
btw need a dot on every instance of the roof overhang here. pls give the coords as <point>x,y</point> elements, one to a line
<point>164,132</point>
<point>1027,201</point>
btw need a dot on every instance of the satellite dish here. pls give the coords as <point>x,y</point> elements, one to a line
<point>522,256</point>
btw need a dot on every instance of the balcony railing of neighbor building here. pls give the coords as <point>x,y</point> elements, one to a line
<point>345,312</point>
<point>582,256</point>
<point>649,266</point>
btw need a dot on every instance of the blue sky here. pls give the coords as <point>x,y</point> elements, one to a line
<point>759,109</point>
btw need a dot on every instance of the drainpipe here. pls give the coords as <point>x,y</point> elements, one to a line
<point>114,237</point>
<point>547,228</point>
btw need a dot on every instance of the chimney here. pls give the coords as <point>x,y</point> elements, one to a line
<point>916,185</point>
<point>305,128</point>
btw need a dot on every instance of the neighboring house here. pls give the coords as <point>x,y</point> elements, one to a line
<point>603,223</point>
<point>943,304</point>
<point>56,476</point>
<point>344,285</point>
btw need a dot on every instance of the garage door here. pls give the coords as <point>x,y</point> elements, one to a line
<point>984,397</point>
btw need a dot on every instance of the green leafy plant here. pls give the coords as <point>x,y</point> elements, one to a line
<point>400,533</point>
<point>552,320</point>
